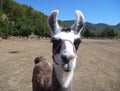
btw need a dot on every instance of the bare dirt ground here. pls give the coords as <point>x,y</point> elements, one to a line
<point>98,64</point>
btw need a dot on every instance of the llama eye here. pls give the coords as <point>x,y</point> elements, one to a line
<point>56,43</point>
<point>77,42</point>
<point>53,39</point>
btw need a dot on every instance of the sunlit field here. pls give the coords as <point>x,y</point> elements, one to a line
<point>98,64</point>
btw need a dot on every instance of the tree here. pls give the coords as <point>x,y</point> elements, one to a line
<point>109,32</point>
<point>96,33</point>
<point>6,28</point>
<point>86,33</point>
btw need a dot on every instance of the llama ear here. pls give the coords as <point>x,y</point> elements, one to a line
<point>79,23</point>
<point>53,23</point>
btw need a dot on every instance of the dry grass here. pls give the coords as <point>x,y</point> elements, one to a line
<point>98,64</point>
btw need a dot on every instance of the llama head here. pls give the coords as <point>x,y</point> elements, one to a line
<point>65,41</point>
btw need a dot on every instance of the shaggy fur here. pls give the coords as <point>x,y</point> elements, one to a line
<point>41,79</point>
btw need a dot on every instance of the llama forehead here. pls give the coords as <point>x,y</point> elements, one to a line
<point>66,36</point>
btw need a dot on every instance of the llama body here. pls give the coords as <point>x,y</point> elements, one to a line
<point>65,45</point>
<point>42,75</point>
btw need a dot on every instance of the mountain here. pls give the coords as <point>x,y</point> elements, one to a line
<point>91,26</point>
<point>69,22</point>
<point>117,27</point>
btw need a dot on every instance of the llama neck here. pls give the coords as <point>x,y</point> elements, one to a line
<point>58,84</point>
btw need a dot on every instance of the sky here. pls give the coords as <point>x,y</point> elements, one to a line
<point>95,11</point>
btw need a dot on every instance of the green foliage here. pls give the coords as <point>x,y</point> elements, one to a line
<point>5,31</point>
<point>96,33</point>
<point>108,32</point>
<point>21,20</point>
<point>86,33</point>
<point>62,24</point>
<point>118,35</point>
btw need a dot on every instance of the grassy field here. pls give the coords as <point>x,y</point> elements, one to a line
<point>98,64</point>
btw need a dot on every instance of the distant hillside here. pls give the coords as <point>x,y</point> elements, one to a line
<point>22,20</point>
<point>91,26</point>
<point>117,27</point>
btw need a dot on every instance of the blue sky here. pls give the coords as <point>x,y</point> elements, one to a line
<point>95,11</point>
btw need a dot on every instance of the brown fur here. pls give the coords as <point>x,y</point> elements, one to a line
<point>42,72</point>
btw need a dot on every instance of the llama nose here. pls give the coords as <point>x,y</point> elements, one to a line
<point>66,58</point>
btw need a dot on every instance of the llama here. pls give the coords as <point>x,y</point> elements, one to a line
<point>65,45</point>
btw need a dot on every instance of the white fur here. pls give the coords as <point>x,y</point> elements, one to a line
<point>79,15</point>
<point>67,48</point>
<point>70,35</point>
<point>57,27</point>
<point>63,77</point>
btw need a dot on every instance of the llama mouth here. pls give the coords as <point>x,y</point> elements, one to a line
<point>66,68</point>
